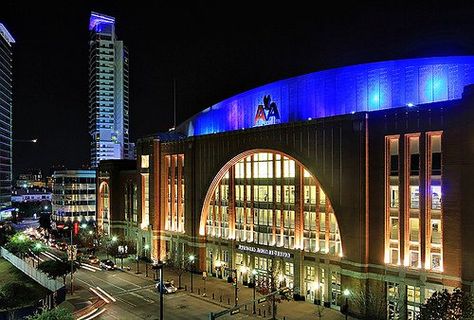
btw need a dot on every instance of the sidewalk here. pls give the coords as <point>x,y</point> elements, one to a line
<point>221,293</point>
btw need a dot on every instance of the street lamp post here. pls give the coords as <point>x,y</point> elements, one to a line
<point>346,294</point>
<point>236,298</point>
<point>254,274</point>
<point>191,260</point>
<point>72,264</point>
<point>160,268</point>
<point>114,239</point>
<point>146,247</point>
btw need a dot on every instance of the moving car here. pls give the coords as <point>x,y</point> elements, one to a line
<point>93,259</point>
<point>61,246</point>
<point>167,287</point>
<point>107,264</point>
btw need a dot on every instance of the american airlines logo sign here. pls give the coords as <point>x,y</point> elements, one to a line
<point>267,113</point>
<point>268,252</point>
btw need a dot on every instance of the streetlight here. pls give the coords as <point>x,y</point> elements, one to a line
<point>146,247</point>
<point>191,260</point>
<point>159,266</point>
<point>346,294</point>
<point>37,248</point>
<point>114,239</point>
<point>254,274</point>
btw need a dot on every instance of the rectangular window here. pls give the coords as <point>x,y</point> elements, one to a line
<point>394,196</point>
<point>289,269</point>
<point>310,273</point>
<point>436,197</point>
<point>145,161</point>
<point>414,197</point>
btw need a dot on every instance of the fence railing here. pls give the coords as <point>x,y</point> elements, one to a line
<point>33,273</point>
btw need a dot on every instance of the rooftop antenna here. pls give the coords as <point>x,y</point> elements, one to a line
<point>174,105</point>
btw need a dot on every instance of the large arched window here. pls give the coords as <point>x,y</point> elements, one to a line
<point>268,198</point>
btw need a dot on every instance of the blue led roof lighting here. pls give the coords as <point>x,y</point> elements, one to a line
<point>346,90</point>
<point>97,19</point>
<point>5,34</point>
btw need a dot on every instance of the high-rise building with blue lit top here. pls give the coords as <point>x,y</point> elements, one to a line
<point>6,98</point>
<point>108,91</point>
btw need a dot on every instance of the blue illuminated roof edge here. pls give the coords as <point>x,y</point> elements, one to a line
<point>428,79</point>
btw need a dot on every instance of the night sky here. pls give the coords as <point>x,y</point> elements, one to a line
<point>213,51</point>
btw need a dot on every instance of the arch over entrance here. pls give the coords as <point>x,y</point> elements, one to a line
<point>268,198</point>
<point>103,207</point>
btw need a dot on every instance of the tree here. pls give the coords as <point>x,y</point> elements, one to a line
<point>6,232</point>
<point>270,285</point>
<point>55,268</point>
<point>13,295</point>
<point>178,264</point>
<point>53,314</point>
<point>19,244</point>
<point>444,305</point>
<point>45,220</point>
<point>370,304</point>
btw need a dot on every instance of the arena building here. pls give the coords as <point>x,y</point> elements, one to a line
<point>352,178</point>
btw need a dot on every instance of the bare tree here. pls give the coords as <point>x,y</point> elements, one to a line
<point>177,264</point>
<point>445,305</point>
<point>270,285</point>
<point>370,304</point>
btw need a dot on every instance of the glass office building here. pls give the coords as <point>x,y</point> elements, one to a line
<point>6,105</point>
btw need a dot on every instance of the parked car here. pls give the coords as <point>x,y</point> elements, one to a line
<point>93,259</point>
<point>167,287</point>
<point>107,264</point>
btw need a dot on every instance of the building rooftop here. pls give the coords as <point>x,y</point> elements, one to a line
<point>359,88</point>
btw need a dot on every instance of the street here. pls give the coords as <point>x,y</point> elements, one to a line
<point>136,297</point>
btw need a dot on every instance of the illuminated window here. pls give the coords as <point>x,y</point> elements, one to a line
<point>265,189</point>
<point>145,161</point>
<point>310,273</point>
<point>394,196</point>
<point>393,301</point>
<point>413,302</point>
<point>392,207</point>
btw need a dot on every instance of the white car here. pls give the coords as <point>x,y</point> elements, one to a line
<point>168,287</point>
<point>107,264</point>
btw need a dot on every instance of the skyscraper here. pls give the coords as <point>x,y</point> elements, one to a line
<point>108,91</point>
<point>6,98</point>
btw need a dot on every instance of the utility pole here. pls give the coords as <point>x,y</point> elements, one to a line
<point>161,287</point>
<point>72,264</point>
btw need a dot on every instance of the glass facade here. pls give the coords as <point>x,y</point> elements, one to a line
<point>74,196</point>
<point>421,210</point>
<point>108,92</point>
<point>6,104</point>
<point>174,198</point>
<point>269,199</point>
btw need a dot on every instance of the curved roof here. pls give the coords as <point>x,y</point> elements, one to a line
<point>364,87</point>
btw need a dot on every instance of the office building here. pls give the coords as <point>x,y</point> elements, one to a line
<point>74,196</point>
<point>6,105</point>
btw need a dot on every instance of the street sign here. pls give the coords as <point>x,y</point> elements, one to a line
<point>261,300</point>
<point>235,311</point>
